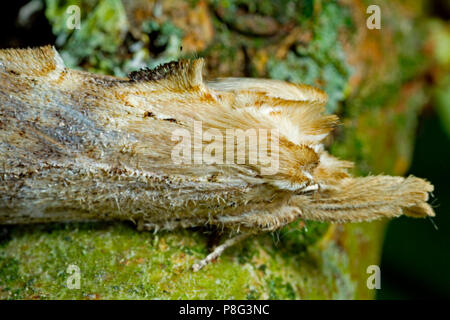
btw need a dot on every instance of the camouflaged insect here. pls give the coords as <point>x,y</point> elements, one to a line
<point>79,146</point>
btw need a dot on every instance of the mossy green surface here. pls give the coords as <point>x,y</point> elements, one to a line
<point>305,260</point>
<point>117,262</point>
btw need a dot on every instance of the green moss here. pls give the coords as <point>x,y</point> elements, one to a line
<point>103,27</point>
<point>335,268</point>
<point>279,289</point>
<point>166,38</point>
<point>9,269</point>
<point>116,262</point>
<point>97,44</point>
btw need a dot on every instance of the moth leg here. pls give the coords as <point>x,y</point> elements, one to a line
<point>219,250</point>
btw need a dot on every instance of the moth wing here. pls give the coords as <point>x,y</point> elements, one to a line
<point>297,111</point>
<point>271,88</point>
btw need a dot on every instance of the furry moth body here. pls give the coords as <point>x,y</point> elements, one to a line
<point>79,146</point>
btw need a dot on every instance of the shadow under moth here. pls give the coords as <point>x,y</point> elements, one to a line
<point>80,146</point>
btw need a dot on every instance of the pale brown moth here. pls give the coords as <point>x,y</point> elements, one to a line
<point>79,146</point>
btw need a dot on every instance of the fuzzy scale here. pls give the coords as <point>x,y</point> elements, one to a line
<point>79,146</point>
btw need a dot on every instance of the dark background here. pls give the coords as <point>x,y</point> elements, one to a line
<point>416,256</point>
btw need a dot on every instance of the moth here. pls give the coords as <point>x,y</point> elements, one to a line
<point>79,146</point>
